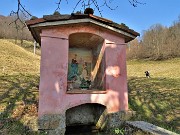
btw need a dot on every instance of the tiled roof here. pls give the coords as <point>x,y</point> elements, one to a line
<point>73,16</point>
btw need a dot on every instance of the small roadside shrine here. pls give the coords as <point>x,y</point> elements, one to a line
<point>83,77</point>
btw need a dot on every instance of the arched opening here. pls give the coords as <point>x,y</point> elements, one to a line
<point>84,40</point>
<point>85,118</point>
<point>86,62</point>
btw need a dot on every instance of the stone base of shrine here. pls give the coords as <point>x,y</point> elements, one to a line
<point>55,124</point>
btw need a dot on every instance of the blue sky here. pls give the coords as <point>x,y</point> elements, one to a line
<point>139,18</point>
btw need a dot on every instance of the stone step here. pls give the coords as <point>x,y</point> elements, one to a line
<point>150,128</point>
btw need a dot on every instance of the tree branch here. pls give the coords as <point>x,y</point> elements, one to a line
<point>135,3</point>
<point>97,7</point>
<point>76,5</point>
<point>84,4</point>
<point>59,4</point>
<point>17,13</point>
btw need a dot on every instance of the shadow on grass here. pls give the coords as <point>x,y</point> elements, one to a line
<point>156,100</point>
<point>18,104</point>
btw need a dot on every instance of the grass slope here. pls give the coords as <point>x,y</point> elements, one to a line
<point>15,59</point>
<point>155,99</point>
<point>158,69</point>
<point>19,79</point>
<point>27,45</point>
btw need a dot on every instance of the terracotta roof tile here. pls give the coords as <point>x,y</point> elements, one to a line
<point>56,17</point>
<point>100,18</point>
<point>74,16</point>
<point>35,21</point>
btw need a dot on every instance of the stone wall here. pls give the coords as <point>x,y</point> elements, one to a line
<point>55,124</point>
<point>84,114</point>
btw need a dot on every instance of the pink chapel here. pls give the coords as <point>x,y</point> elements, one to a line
<point>83,78</point>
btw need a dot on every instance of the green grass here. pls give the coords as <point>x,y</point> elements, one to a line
<point>19,80</point>
<point>18,104</point>
<point>155,99</point>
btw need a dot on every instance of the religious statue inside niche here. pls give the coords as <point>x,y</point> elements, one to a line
<point>79,69</point>
<point>74,69</point>
<point>85,79</point>
<point>73,73</point>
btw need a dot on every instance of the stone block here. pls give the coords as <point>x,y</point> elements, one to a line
<point>52,121</point>
<point>116,120</point>
<point>150,128</point>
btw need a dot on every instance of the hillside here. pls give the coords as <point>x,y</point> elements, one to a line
<point>155,99</point>
<point>158,69</point>
<point>19,80</point>
<point>27,45</point>
<point>15,59</point>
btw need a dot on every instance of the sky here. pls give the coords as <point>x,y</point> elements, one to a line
<point>138,18</point>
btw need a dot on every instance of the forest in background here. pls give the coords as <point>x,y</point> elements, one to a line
<point>157,43</point>
<point>14,30</point>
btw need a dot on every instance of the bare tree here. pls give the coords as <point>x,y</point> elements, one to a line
<point>158,42</point>
<point>132,49</point>
<point>10,31</point>
<point>18,13</point>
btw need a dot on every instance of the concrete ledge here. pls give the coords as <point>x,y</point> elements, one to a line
<point>149,128</point>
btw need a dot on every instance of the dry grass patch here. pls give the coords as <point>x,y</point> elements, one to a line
<point>27,45</point>
<point>159,69</point>
<point>15,59</point>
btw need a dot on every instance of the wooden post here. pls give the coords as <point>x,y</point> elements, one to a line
<point>34,47</point>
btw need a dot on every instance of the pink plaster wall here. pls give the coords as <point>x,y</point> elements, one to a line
<point>54,66</point>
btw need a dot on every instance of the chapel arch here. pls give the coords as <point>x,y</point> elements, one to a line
<point>85,116</point>
<point>86,62</point>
